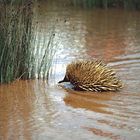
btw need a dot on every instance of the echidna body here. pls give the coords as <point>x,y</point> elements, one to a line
<point>91,76</point>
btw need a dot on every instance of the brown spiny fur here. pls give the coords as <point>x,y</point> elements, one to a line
<point>92,76</point>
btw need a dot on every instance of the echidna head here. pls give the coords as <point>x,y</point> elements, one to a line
<point>66,79</point>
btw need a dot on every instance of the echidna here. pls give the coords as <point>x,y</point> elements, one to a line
<point>91,75</point>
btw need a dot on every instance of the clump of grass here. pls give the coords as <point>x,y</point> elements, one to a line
<point>15,40</point>
<point>18,48</point>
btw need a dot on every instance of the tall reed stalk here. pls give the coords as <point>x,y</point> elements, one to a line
<point>44,51</point>
<point>18,57</point>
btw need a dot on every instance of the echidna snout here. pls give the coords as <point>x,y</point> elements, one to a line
<point>64,80</point>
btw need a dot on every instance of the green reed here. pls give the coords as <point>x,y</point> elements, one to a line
<point>18,57</point>
<point>127,4</point>
<point>15,38</point>
<point>44,52</point>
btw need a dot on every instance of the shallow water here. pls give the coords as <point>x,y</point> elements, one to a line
<point>33,110</point>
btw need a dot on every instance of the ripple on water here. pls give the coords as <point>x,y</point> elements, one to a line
<point>31,110</point>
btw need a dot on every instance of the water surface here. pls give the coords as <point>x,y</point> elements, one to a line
<point>33,110</point>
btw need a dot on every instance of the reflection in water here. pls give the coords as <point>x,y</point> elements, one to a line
<point>105,134</point>
<point>33,110</point>
<point>22,106</point>
<point>87,100</point>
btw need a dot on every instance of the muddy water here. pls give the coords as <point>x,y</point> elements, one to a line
<point>33,110</point>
